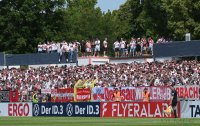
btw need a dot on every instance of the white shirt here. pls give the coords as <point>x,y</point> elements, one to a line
<point>105,43</point>
<point>71,47</point>
<point>44,47</point>
<point>132,44</point>
<point>75,47</point>
<point>54,47</point>
<point>97,43</point>
<point>65,47</point>
<point>116,44</point>
<point>49,48</point>
<point>122,44</point>
<point>151,42</point>
<point>39,47</point>
<point>58,47</point>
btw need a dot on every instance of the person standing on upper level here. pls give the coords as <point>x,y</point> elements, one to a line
<point>132,47</point>
<point>97,47</point>
<point>122,47</point>
<point>105,47</point>
<point>116,48</point>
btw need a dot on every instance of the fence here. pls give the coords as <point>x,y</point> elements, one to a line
<point>33,59</point>
<point>177,49</point>
<point>1,59</point>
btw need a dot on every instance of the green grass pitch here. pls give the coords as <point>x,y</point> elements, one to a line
<point>86,121</point>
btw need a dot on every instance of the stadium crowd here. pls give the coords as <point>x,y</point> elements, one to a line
<point>117,75</point>
<point>122,48</point>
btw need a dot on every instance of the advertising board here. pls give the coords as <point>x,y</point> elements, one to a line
<point>190,109</point>
<point>70,109</point>
<point>16,109</point>
<point>131,93</point>
<point>190,92</point>
<point>83,94</point>
<point>136,109</point>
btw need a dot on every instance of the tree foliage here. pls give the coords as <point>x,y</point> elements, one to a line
<point>169,18</point>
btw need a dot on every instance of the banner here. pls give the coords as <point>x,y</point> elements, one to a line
<point>60,95</point>
<point>83,94</point>
<point>190,92</point>
<point>14,96</point>
<point>73,109</point>
<point>16,109</point>
<point>98,94</point>
<point>132,93</point>
<point>190,109</point>
<point>46,91</point>
<point>4,96</point>
<point>136,109</point>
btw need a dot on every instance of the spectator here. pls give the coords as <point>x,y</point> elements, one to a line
<point>151,42</point>
<point>161,40</point>
<point>83,47</point>
<point>145,46</point>
<point>116,48</point>
<point>141,46</point>
<point>58,47</point>
<point>138,48</point>
<point>93,48</point>
<point>70,52</point>
<point>40,48</point>
<point>75,51</point>
<point>49,47</point>
<point>126,49</point>
<point>97,47</point>
<point>54,47</point>
<point>44,48</point>
<point>88,48</point>
<point>105,47</point>
<point>64,52</point>
<point>132,47</point>
<point>122,47</point>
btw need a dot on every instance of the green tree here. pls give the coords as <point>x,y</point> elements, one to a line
<point>24,23</point>
<point>182,18</point>
<point>84,19</point>
<point>138,20</point>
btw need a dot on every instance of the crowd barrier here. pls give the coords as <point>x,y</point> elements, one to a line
<point>185,109</point>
